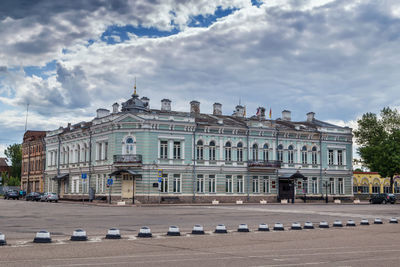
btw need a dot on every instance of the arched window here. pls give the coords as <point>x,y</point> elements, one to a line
<point>129,146</point>
<point>280,153</point>
<point>212,150</point>
<point>200,150</point>
<point>78,153</point>
<point>314,155</point>
<point>265,152</point>
<point>228,151</point>
<point>240,152</point>
<point>304,155</point>
<point>290,154</point>
<point>255,152</point>
<point>67,155</point>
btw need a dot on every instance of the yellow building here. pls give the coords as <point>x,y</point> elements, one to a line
<point>373,183</point>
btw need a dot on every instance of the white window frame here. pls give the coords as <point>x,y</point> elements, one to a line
<point>240,184</point>
<point>266,185</point>
<point>228,184</point>
<point>177,183</point>
<point>212,183</point>
<point>255,184</point>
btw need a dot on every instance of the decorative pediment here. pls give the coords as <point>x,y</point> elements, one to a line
<point>129,118</point>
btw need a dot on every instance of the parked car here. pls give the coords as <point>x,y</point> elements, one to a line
<point>33,196</point>
<point>383,198</point>
<point>49,197</point>
<point>14,194</point>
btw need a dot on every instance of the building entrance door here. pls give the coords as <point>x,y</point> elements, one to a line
<point>127,186</point>
<point>286,189</point>
<point>62,189</point>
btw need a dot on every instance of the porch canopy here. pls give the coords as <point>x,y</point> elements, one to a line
<point>134,173</point>
<point>60,177</point>
<point>296,175</point>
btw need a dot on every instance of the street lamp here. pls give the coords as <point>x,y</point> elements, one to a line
<point>326,186</point>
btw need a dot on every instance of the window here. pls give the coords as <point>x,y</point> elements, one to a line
<point>305,186</point>
<point>280,153</point>
<point>332,190</point>
<point>254,152</point>
<point>265,152</point>
<point>98,178</point>
<point>340,157</point>
<point>330,157</point>
<point>177,183</point>
<point>386,189</point>
<point>355,189</point>
<point>341,186</point>
<point>200,150</point>
<point>86,153</point>
<point>200,183</point>
<point>212,150</point>
<point>75,185</point>
<point>290,154</point>
<point>164,183</point>
<point>99,145</point>
<point>240,152</point>
<point>304,155</point>
<point>129,146</point>
<point>211,183</point>
<point>314,156</point>
<point>228,184</point>
<point>105,150</point>
<point>255,185</point>
<point>397,187</point>
<point>228,151</point>
<point>266,185</point>
<point>78,153</point>
<point>177,150</point>
<point>164,149</point>
<point>376,189</point>
<point>314,185</point>
<point>240,184</point>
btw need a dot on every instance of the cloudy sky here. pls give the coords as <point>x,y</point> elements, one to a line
<point>339,58</point>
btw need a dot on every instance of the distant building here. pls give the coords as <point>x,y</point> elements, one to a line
<point>4,168</point>
<point>33,159</point>
<point>367,183</point>
<point>162,155</point>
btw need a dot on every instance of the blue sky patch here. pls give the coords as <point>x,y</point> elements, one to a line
<point>40,71</point>
<point>257,3</point>
<point>205,21</point>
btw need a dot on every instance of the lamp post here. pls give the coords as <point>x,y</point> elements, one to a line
<point>326,187</point>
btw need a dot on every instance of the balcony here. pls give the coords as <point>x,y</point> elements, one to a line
<point>131,158</point>
<point>261,164</point>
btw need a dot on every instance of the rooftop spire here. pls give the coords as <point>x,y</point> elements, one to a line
<point>135,87</point>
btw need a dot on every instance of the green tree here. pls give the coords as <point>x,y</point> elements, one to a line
<point>379,142</point>
<point>14,153</point>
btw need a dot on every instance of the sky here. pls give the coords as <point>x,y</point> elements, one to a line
<point>337,58</point>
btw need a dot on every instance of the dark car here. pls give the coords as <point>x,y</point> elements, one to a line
<point>34,196</point>
<point>383,198</point>
<point>14,194</point>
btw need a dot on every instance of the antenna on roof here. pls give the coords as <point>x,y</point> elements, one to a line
<point>240,101</point>
<point>26,118</point>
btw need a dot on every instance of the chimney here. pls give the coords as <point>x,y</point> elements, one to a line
<point>165,105</point>
<point>286,115</point>
<point>217,109</point>
<point>194,107</point>
<point>102,112</point>
<point>115,107</point>
<point>145,101</point>
<point>310,116</point>
<point>239,111</point>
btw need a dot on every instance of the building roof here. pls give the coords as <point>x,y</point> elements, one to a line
<point>3,162</point>
<point>33,135</point>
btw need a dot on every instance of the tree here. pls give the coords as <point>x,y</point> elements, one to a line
<point>14,153</point>
<point>379,142</point>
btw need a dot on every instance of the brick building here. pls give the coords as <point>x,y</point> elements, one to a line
<point>33,158</point>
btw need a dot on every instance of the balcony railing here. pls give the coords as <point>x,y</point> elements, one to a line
<point>131,158</point>
<point>264,164</point>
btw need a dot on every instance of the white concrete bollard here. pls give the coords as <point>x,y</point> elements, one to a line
<point>296,226</point>
<point>351,223</point>
<point>220,229</point>
<point>278,227</point>
<point>198,230</point>
<point>337,201</point>
<point>243,228</point>
<point>145,232</point>
<point>239,202</point>
<point>121,203</point>
<point>356,201</point>
<point>215,202</point>
<point>79,235</point>
<point>364,222</point>
<point>337,223</point>
<point>263,201</point>
<point>324,224</point>
<point>113,233</point>
<point>173,231</point>
<point>2,240</point>
<point>378,221</point>
<point>263,227</point>
<point>308,225</point>
<point>393,220</point>
<point>42,237</point>
<point>284,201</point>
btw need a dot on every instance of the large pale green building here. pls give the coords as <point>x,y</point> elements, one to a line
<point>161,155</point>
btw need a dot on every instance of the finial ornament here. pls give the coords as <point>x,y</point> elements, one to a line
<point>135,87</point>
